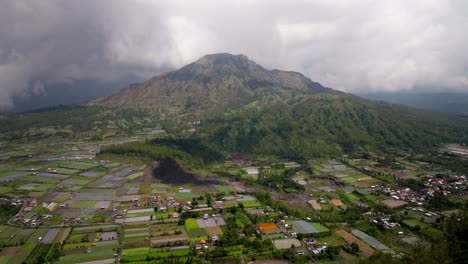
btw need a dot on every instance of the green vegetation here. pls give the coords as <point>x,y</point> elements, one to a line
<point>8,211</point>
<point>44,253</point>
<point>191,223</point>
<point>338,123</point>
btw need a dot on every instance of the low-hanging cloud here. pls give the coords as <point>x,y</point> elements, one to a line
<point>353,46</point>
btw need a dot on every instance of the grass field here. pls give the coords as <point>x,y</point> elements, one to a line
<point>352,197</point>
<point>348,179</point>
<point>139,214</point>
<point>251,203</point>
<point>224,188</point>
<point>414,222</point>
<point>191,223</point>
<point>112,165</point>
<point>320,227</point>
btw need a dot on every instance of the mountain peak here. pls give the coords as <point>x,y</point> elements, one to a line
<point>223,58</point>
<point>214,80</point>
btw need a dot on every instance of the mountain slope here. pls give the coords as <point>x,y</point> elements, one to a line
<point>324,124</point>
<point>244,107</point>
<point>214,80</point>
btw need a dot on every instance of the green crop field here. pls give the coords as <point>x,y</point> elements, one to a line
<point>76,181</point>
<point>100,170</point>
<point>39,179</point>
<point>43,187</point>
<point>67,171</point>
<point>77,245</point>
<point>251,203</point>
<point>133,250</point>
<point>352,197</point>
<point>320,227</point>
<point>82,204</point>
<point>414,222</point>
<point>79,165</point>
<point>191,223</point>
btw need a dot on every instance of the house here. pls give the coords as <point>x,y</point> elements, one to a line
<point>300,252</point>
<point>175,215</point>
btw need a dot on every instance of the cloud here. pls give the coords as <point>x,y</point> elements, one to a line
<point>354,46</point>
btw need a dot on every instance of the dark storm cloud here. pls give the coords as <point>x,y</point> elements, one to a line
<point>348,45</point>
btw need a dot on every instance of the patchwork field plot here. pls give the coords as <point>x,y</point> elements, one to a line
<point>135,175</point>
<point>392,203</point>
<point>191,223</point>
<point>196,233</point>
<point>348,179</point>
<point>286,243</point>
<point>303,227</point>
<point>214,230</point>
<point>349,238</point>
<point>168,239</point>
<point>210,222</point>
<point>35,178</point>
<point>79,165</point>
<point>251,203</point>
<point>82,204</point>
<point>67,171</point>
<point>52,175</point>
<point>112,165</point>
<point>224,188</point>
<point>50,236</point>
<point>76,181</point>
<point>315,205</point>
<point>267,226</point>
<point>336,202</point>
<point>369,240</point>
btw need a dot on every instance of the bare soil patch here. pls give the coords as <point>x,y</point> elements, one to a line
<point>214,230</point>
<point>349,238</point>
<point>9,251</point>
<point>392,203</point>
<point>136,244</point>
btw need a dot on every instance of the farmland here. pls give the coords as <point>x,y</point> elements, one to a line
<point>74,204</point>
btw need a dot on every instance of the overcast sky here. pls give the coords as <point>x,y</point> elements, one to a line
<point>353,46</point>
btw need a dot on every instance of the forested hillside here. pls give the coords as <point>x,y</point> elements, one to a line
<point>324,124</point>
